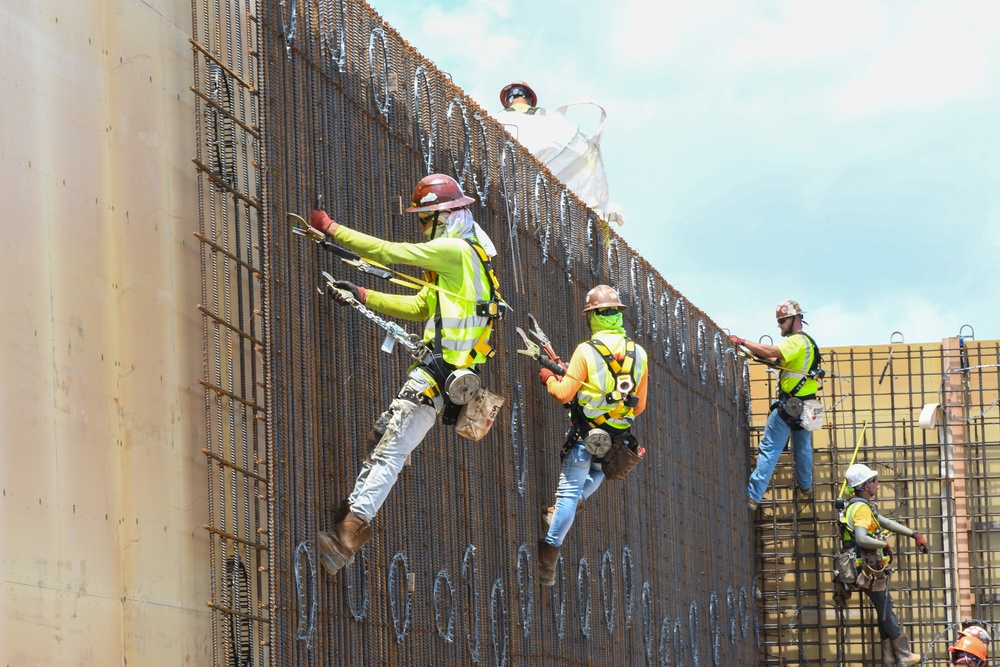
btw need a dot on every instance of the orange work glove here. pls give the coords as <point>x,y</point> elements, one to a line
<point>922,545</point>
<point>544,375</point>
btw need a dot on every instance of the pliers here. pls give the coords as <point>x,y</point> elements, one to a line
<point>346,256</point>
<point>531,349</point>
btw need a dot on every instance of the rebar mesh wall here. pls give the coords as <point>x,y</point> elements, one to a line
<point>299,101</point>
<point>942,481</point>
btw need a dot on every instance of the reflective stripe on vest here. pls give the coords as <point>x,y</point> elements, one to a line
<point>596,407</point>
<point>464,334</point>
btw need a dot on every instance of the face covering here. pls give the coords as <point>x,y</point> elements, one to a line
<point>437,230</point>
<point>614,322</point>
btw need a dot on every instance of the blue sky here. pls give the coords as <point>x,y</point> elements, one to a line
<point>845,154</point>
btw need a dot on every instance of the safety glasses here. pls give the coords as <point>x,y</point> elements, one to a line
<point>515,93</point>
<point>963,658</point>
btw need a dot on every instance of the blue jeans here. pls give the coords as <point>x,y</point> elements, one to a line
<point>579,478</point>
<point>771,445</point>
<point>406,424</point>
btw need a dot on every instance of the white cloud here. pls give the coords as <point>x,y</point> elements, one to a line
<point>937,58</point>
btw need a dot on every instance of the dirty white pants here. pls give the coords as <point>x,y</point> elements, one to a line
<point>406,424</point>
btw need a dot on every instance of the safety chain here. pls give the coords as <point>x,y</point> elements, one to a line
<point>627,575</point>
<point>713,626</point>
<point>647,618</point>
<point>393,597</point>
<point>498,616</point>
<point>443,582</point>
<point>472,602</point>
<point>608,583</point>
<point>518,437</point>
<point>583,596</point>
<point>524,588</point>
<point>665,642</point>
<point>356,574</point>
<point>305,592</point>
<point>693,632</point>
<point>559,600</point>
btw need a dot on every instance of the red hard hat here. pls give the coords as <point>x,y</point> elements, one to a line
<point>438,192</point>
<point>971,645</point>
<point>518,84</point>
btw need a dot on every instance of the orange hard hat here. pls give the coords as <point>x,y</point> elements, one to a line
<point>971,645</point>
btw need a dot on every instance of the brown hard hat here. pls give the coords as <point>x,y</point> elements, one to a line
<point>438,192</point>
<point>602,296</point>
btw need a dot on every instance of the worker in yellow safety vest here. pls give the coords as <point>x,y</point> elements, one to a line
<point>798,358</point>
<point>865,531</point>
<point>605,387</point>
<point>458,303</point>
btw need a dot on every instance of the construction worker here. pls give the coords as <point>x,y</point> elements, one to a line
<point>458,320</point>
<point>797,357</point>
<point>865,531</point>
<point>605,386</point>
<point>519,96</point>
<point>970,648</point>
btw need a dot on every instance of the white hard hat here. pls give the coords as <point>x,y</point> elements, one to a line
<point>858,474</point>
<point>978,632</point>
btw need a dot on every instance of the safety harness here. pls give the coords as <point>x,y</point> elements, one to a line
<point>490,309</point>
<point>871,564</point>
<point>813,367</point>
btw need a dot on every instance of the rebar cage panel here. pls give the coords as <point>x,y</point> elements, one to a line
<point>305,103</point>
<point>942,481</point>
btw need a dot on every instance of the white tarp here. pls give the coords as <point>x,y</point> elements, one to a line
<point>571,155</point>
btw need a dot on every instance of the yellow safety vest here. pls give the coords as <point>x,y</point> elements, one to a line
<point>466,323</point>
<point>610,406</point>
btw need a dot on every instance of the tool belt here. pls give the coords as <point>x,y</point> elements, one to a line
<point>873,573</point>
<point>791,409</point>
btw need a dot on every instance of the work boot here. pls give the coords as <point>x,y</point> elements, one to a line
<point>548,556</point>
<point>888,655</point>
<point>337,547</point>
<point>901,645</point>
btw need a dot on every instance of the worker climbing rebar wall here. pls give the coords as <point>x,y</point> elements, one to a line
<point>305,105</point>
<point>926,419</point>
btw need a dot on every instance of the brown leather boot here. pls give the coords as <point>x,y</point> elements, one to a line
<point>888,655</point>
<point>337,547</point>
<point>901,645</point>
<point>548,556</point>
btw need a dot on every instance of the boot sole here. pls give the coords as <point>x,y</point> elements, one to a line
<point>546,582</point>
<point>334,563</point>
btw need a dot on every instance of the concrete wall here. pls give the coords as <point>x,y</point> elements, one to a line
<point>102,485</point>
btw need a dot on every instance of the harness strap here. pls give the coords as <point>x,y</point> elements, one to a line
<point>619,368</point>
<point>817,357</point>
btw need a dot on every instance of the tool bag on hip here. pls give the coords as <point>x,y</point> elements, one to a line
<point>477,416</point>
<point>845,566</point>
<point>624,455</point>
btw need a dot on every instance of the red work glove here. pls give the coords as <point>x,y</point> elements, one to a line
<point>324,223</point>
<point>922,545</point>
<point>544,375</point>
<point>735,340</point>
